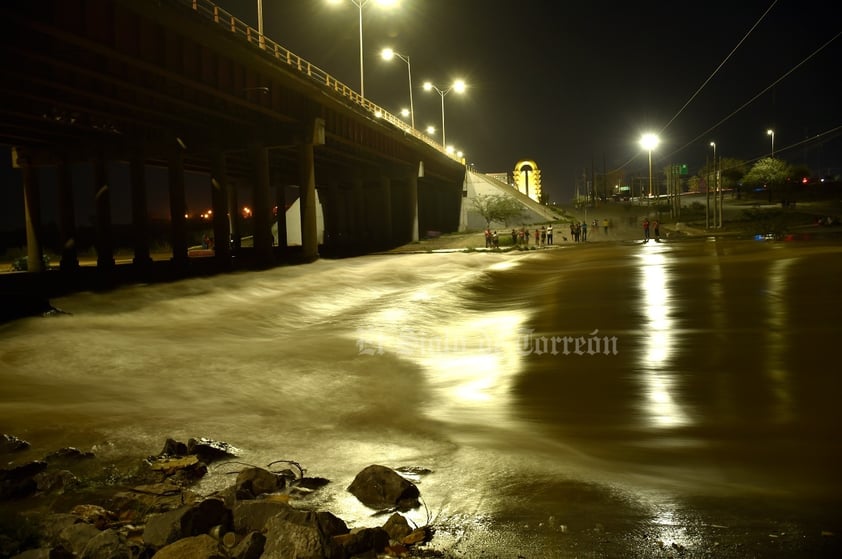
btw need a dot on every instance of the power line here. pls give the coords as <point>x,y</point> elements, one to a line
<point>753,99</point>
<point>721,64</point>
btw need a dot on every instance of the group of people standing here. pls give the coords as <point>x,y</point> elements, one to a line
<point>655,229</point>
<point>542,236</point>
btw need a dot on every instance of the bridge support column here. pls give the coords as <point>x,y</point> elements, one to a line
<point>140,211</point>
<point>67,218</point>
<point>386,204</point>
<point>307,178</point>
<point>222,214</point>
<point>413,204</point>
<point>262,211</point>
<point>32,215</point>
<point>102,205</point>
<point>281,218</point>
<point>178,208</point>
<point>234,218</point>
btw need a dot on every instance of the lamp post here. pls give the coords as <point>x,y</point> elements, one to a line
<point>388,54</point>
<point>771,133</point>
<point>649,142</point>
<point>360,4</point>
<point>707,193</point>
<point>458,86</point>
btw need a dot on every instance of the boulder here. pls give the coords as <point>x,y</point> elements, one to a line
<point>253,482</point>
<point>379,487</point>
<point>250,547</point>
<point>10,443</point>
<point>397,527</point>
<point>192,520</point>
<point>305,536</point>
<point>197,547</point>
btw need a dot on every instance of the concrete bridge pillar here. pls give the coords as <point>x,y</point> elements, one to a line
<point>178,209</point>
<point>262,215</point>
<point>32,214</point>
<point>140,211</point>
<point>307,179</point>
<point>222,214</point>
<point>234,218</point>
<point>102,206</point>
<point>67,218</point>
<point>281,216</point>
<point>412,185</point>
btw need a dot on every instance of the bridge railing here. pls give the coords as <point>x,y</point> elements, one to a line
<point>230,23</point>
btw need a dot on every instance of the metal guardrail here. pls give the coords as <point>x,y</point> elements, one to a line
<point>284,56</point>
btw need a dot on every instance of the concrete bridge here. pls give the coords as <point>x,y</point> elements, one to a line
<point>185,86</point>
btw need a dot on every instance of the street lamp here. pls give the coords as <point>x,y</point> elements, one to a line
<point>359,4</point>
<point>715,179</point>
<point>771,132</point>
<point>458,86</point>
<point>649,142</point>
<point>388,54</point>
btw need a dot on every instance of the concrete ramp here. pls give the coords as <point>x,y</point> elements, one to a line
<point>479,184</point>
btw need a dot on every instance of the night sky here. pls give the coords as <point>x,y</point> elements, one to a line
<point>573,86</point>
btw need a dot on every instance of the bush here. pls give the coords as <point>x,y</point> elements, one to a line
<point>21,263</point>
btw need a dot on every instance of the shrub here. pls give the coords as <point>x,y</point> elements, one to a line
<point>21,263</point>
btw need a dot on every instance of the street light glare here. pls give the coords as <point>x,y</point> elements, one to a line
<point>649,141</point>
<point>459,86</point>
<point>387,54</point>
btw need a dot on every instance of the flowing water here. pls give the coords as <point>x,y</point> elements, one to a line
<point>565,401</point>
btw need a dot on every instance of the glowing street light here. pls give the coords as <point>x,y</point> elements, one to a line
<point>649,142</point>
<point>771,133</point>
<point>458,86</point>
<point>359,4</point>
<point>388,54</point>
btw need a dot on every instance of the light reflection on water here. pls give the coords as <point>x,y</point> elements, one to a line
<point>657,332</point>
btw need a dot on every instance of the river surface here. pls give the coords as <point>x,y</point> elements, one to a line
<point>601,400</point>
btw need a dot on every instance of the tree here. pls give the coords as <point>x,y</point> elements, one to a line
<point>768,172</point>
<point>497,207</point>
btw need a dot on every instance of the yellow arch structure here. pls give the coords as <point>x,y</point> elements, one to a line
<point>527,178</point>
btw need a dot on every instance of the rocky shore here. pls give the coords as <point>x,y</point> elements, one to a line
<point>69,504</point>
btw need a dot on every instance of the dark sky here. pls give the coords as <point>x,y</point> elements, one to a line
<point>573,85</point>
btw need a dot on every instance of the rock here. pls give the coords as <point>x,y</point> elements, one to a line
<point>252,482</point>
<point>363,540</point>
<point>209,450</point>
<point>75,537</point>
<point>197,547</point>
<point>19,482</point>
<point>154,498</point>
<point>55,482</point>
<point>192,520</point>
<point>42,553</point>
<point>10,443</point>
<point>379,487</point>
<point>418,535</point>
<point>108,544</point>
<point>95,515</point>
<point>397,527</point>
<point>67,455</point>
<point>252,516</point>
<point>250,547</point>
<point>185,469</point>
<point>173,448</point>
<point>304,536</point>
